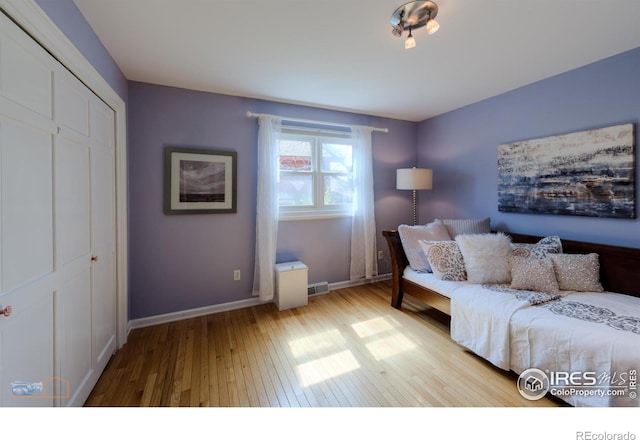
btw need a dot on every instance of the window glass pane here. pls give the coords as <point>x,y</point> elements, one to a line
<point>295,190</point>
<point>295,155</point>
<point>338,190</point>
<point>336,158</point>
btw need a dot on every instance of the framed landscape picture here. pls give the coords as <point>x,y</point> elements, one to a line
<point>587,173</point>
<point>199,181</point>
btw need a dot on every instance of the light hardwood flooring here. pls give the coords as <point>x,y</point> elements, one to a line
<point>348,348</point>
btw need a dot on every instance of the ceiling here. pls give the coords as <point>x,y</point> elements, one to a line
<point>340,54</point>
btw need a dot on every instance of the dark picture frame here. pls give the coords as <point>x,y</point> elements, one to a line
<point>199,181</point>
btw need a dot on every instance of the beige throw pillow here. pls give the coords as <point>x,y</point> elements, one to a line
<point>533,273</point>
<point>411,235</point>
<point>579,272</point>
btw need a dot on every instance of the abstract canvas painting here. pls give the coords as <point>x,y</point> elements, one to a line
<point>588,173</point>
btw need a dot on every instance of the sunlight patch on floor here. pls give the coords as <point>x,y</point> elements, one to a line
<point>372,327</point>
<point>389,346</point>
<point>313,344</point>
<point>330,357</point>
<point>313,372</point>
<point>385,339</point>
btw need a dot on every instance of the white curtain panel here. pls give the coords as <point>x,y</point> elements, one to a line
<point>363,226</point>
<point>267,207</point>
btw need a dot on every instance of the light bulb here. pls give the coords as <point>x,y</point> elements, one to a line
<point>432,26</point>
<point>410,41</point>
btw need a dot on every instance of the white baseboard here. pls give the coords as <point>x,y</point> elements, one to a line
<point>193,313</point>
<point>354,283</point>
<point>234,305</point>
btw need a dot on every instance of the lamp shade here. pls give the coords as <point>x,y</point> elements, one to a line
<point>414,178</point>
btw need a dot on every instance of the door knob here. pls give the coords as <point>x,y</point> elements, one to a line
<point>6,311</point>
<point>94,258</point>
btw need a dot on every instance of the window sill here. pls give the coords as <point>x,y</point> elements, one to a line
<point>317,215</point>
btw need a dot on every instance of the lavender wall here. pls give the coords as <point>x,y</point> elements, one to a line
<point>180,262</point>
<point>183,262</point>
<point>461,146</point>
<point>66,15</point>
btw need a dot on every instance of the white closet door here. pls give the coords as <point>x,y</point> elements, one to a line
<point>57,229</point>
<point>27,277</point>
<point>103,289</point>
<point>85,200</point>
<point>73,237</point>
<point>26,332</point>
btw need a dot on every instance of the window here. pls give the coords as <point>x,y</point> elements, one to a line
<point>316,174</point>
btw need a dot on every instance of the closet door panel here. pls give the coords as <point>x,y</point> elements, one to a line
<point>71,103</point>
<point>26,203</point>
<point>73,250</point>
<point>103,197</point>
<point>103,308</point>
<point>26,347</point>
<point>73,331</point>
<point>72,201</point>
<point>102,123</point>
<point>25,73</point>
<point>103,231</point>
<point>102,177</point>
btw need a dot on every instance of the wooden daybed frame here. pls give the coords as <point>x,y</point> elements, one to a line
<point>619,269</point>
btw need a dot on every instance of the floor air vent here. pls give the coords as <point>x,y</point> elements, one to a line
<point>318,288</point>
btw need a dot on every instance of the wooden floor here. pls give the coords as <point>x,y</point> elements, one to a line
<point>348,348</point>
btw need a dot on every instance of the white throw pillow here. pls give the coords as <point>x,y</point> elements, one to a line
<point>411,235</point>
<point>486,257</point>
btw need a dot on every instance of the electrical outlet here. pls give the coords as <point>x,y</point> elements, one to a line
<point>380,255</point>
<point>236,275</point>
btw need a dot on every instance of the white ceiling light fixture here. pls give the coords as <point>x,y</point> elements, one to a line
<point>410,41</point>
<point>414,15</point>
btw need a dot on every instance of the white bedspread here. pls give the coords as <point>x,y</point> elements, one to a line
<point>431,281</point>
<point>574,333</point>
<point>480,319</point>
<point>594,333</point>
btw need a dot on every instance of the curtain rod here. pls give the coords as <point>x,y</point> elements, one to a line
<point>310,121</point>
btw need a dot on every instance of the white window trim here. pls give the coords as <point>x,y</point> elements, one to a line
<point>289,213</point>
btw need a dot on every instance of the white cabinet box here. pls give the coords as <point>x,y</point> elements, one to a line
<point>291,285</point>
